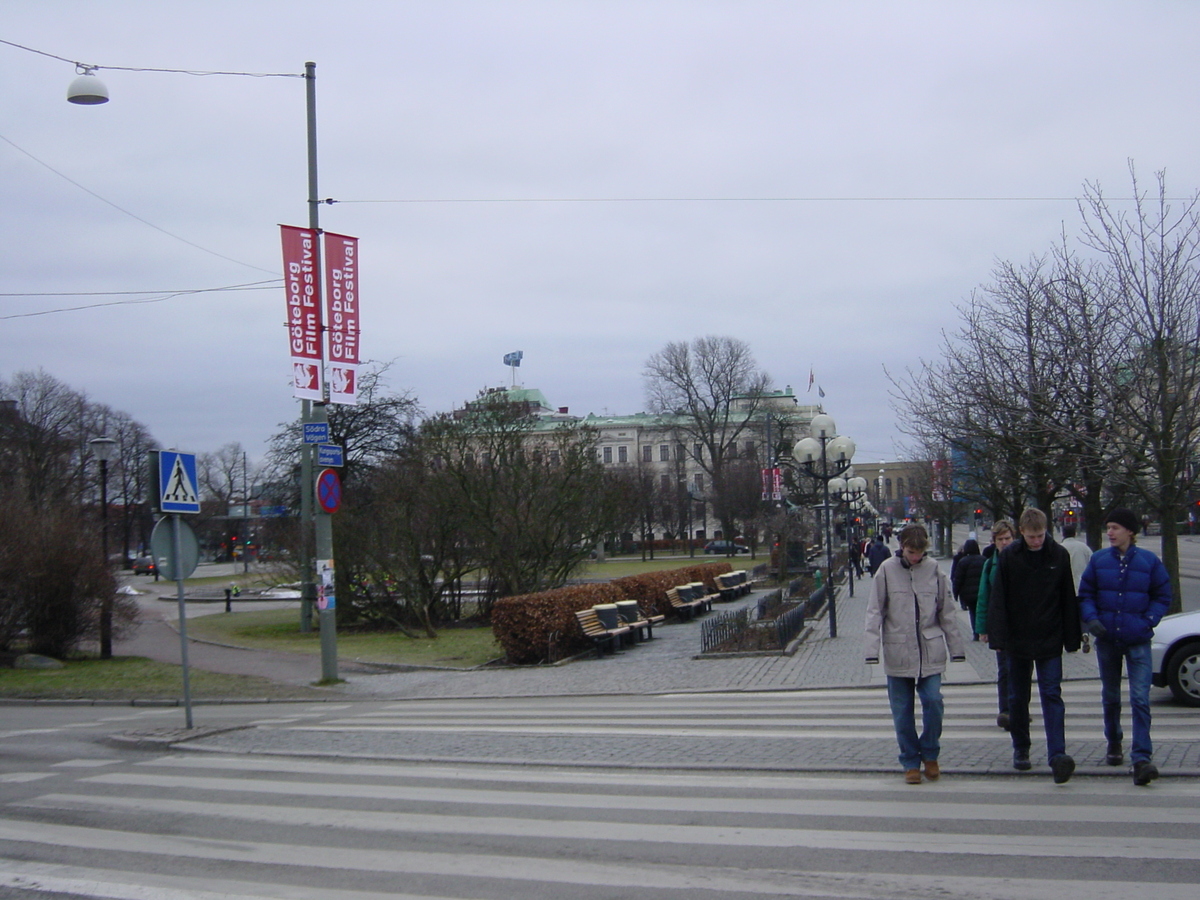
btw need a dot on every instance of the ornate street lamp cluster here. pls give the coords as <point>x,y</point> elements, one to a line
<point>824,457</point>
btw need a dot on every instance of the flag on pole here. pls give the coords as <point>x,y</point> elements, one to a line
<point>810,379</point>
<point>820,392</point>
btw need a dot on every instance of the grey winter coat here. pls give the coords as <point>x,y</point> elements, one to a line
<point>913,619</point>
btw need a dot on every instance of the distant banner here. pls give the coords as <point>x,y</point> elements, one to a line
<point>302,284</point>
<point>341,316</point>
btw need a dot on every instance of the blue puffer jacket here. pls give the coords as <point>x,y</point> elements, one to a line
<point>1130,599</point>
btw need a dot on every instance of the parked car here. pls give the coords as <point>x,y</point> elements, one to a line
<point>1175,656</point>
<point>725,547</point>
<point>144,565</point>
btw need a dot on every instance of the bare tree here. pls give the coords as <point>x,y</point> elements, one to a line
<point>1151,276</point>
<point>713,387</point>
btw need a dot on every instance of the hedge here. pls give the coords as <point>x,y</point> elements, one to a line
<point>534,628</point>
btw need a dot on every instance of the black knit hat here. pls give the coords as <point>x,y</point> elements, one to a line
<point>1123,517</point>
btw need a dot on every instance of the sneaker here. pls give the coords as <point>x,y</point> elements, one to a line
<point>932,770</point>
<point>1114,756</point>
<point>912,776</point>
<point>1062,767</point>
<point>1002,721</point>
<point>1021,761</point>
<point>1144,772</point>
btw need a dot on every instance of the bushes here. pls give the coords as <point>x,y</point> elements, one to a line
<point>52,579</point>
<point>535,628</point>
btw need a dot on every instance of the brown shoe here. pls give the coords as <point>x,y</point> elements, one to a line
<point>912,776</point>
<point>932,770</point>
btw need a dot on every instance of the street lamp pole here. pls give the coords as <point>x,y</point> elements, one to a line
<point>823,457</point>
<point>103,447</point>
<point>849,491</point>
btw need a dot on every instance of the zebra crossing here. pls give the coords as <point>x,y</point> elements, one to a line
<point>838,728</point>
<point>198,826</point>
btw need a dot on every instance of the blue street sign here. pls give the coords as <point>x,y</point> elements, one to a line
<point>316,432</point>
<point>178,486</point>
<point>329,455</point>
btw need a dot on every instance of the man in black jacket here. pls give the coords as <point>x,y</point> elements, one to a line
<point>1033,615</point>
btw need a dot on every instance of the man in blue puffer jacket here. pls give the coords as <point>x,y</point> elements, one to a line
<point>1124,593</point>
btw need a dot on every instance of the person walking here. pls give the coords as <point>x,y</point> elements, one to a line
<point>912,619</point>
<point>1033,615</point>
<point>876,554</point>
<point>1080,553</point>
<point>966,580</point>
<point>1123,594</point>
<point>1003,533</point>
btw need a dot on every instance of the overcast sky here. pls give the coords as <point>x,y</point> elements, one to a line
<point>583,181</point>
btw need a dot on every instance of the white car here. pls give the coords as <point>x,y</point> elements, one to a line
<point>1175,656</point>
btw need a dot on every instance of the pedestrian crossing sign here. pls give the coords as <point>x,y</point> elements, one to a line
<point>177,482</point>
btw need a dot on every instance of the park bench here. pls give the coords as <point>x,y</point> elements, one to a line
<point>631,614</point>
<point>603,637</point>
<point>686,600</point>
<point>733,584</point>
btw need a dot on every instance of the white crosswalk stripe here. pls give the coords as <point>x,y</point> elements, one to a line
<point>198,826</point>
<point>834,713</point>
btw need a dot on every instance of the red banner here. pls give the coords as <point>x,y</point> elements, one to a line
<point>301,281</point>
<point>341,315</point>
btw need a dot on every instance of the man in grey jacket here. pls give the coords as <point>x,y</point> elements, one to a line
<point>912,617</point>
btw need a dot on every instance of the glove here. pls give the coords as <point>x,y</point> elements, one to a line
<point>1096,628</point>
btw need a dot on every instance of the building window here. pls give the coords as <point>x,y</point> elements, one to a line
<point>607,455</point>
<point>698,452</point>
<point>899,487</point>
<point>665,482</point>
<point>698,482</point>
<point>554,457</point>
<point>887,488</point>
<point>664,453</point>
<point>647,453</point>
<point>623,454</point>
<point>680,452</point>
<point>749,449</point>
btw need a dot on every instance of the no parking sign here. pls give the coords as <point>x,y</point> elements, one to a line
<point>329,490</point>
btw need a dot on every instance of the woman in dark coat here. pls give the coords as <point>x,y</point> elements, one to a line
<point>966,578</point>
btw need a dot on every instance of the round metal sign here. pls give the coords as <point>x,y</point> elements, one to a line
<point>329,490</point>
<point>162,545</point>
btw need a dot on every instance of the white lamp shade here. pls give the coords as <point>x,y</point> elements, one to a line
<point>837,485</point>
<point>807,450</point>
<point>87,90</point>
<point>858,483</point>
<point>841,448</point>
<point>103,447</point>
<point>822,425</point>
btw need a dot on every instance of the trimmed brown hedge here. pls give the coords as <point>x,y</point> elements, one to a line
<point>534,628</point>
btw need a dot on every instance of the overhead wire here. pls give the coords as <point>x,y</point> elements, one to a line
<point>269,285</point>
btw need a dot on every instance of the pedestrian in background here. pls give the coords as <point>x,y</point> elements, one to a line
<point>1033,615</point>
<point>966,580</point>
<point>1003,533</point>
<point>911,618</point>
<point>876,554</point>
<point>1080,553</point>
<point>1124,593</point>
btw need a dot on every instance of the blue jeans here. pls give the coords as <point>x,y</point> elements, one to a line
<point>900,696</point>
<point>1054,713</point>
<point>1137,664</point>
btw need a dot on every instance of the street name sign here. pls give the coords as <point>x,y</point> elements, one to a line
<point>316,432</point>
<point>329,455</point>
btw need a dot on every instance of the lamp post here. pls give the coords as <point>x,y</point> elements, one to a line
<point>849,491</point>
<point>103,448</point>
<point>823,457</point>
<point>88,90</point>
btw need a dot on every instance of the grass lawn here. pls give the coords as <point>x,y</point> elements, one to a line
<point>133,677</point>
<point>278,629</point>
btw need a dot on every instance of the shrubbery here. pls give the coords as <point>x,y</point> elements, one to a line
<point>535,628</point>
